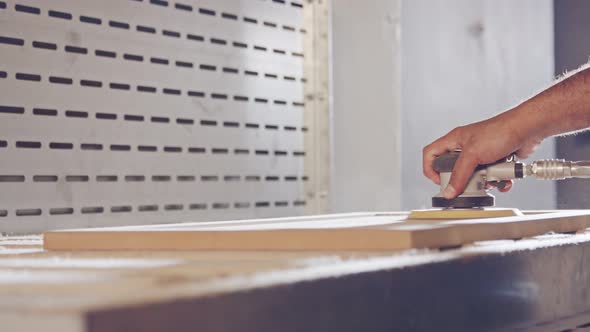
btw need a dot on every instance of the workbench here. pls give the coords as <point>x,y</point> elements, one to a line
<point>532,284</point>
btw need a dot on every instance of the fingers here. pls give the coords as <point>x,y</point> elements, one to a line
<point>430,152</point>
<point>462,172</point>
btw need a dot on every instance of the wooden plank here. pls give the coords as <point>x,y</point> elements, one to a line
<point>369,232</point>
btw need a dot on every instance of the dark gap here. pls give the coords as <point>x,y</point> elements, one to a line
<point>260,48</point>
<point>218,41</point>
<point>120,209</point>
<point>272,178</point>
<point>169,91</point>
<point>134,178</point>
<point>290,128</point>
<point>172,149</point>
<point>289,78</point>
<point>279,1</point>
<point>240,45</point>
<point>231,124</point>
<point>90,83</point>
<point>195,37</point>
<point>290,178</point>
<point>206,11</point>
<point>219,150</point>
<point>261,100</point>
<point>281,203</point>
<point>3,143</point>
<point>12,109</point>
<point>2,6</point>
<point>76,114</point>
<point>262,152</point>
<point>12,178</point>
<point>77,178</point>
<point>91,20</point>
<point>304,129</point>
<point>62,15</point>
<point>28,212</point>
<point>278,51</point>
<point>250,20</point>
<point>221,205</point>
<point>231,178</point>
<point>197,150</point>
<point>184,64</point>
<point>107,178</point>
<point>279,102</point>
<point>198,206</point>
<point>160,119</point>
<point>12,41</point>
<point>119,25</point>
<point>207,178</point>
<point>28,145</point>
<point>61,146</point>
<point>299,153</point>
<point>107,54</point>
<point>299,203</point>
<point>298,104</point>
<point>251,73</point>
<point>3,213</point>
<point>159,3</point>
<point>147,148</point>
<point>45,178</point>
<point>241,151</point>
<point>300,55</point>
<point>169,33</point>
<point>183,7</point>
<point>241,205</point>
<point>173,207</point>
<point>229,16</point>
<point>252,125</point>
<point>262,204</point>
<point>185,121</point>
<point>91,146</point>
<point>131,117</point>
<point>106,116</point>
<point>305,178</point>
<point>143,88</point>
<point>271,127</point>
<point>207,67</point>
<point>60,80</point>
<point>44,45</point>
<point>44,111</point>
<point>120,147</point>
<point>218,96</point>
<point>119,86</point>
<point>241,98</point>
<point>270,75</point>
<point>28,77</point>
<point>195,93</point>
<point>185,178</point>
<point>289,28</point>
<point>297,4</point>
<point>230,70</point>
<point>92,209</point>
<point>269,24</point>
<point>132,57</point>
<point>3,74</point>
<point>27,9</point>
<point>147,208</point>
<point>61,211</point>
<point>146,29</point>
<point>208,123</point>
<point>252,178</point>
<point>303,31</point>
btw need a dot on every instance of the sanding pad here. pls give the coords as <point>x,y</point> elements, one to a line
<point>466,202</point>
<point>431,214</point>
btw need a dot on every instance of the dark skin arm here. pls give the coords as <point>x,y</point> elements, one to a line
<point>562,108</point>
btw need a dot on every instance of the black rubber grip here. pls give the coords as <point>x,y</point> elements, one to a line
<point>519,170</point>
<point>446,162</point>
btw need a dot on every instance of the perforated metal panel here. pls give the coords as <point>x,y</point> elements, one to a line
<point>133,112</point>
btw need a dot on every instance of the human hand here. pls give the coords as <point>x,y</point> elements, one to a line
<point>480,143</point>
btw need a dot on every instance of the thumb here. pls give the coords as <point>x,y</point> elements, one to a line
<point>462,172</point>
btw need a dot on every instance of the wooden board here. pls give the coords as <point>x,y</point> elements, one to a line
<point>385,231</point>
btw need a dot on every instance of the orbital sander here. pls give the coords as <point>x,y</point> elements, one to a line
<point>476,193</point>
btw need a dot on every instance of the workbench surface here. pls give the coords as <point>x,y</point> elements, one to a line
<point>526,282</point>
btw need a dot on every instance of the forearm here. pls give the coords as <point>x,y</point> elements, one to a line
<point>562,108</point>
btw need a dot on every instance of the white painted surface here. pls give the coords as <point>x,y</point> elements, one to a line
<point>463,61</point>
<point>366,133</point>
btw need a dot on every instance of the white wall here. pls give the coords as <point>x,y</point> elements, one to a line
<point>365,89</point>
<point>465,60</point>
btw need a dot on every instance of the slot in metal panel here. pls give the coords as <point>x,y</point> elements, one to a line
<point>122,112</point>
